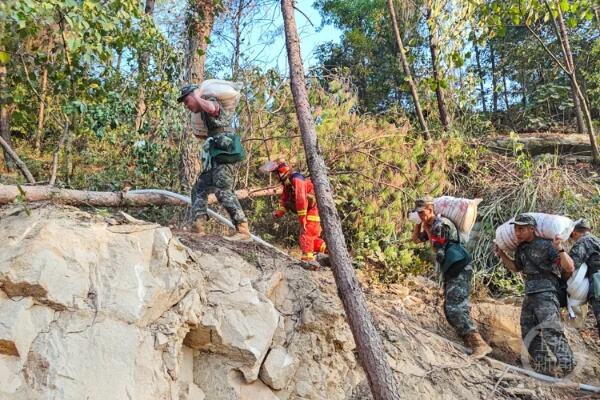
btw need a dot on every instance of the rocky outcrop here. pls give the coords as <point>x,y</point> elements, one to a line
<point>97,308</point>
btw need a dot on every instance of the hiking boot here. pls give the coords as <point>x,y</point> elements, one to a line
<point>478,346</point>
<point>324,260</point>
<point>310,265</point>
<point>308,261</point>
<point>198,226</point>
<point>242,233</point>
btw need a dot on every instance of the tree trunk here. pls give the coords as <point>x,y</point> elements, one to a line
<point>237,49</point>
<point>570,64</point>
<point>20,164</point>
<point>406,68</point>
<point>68,148</point>
<point>39,133</point>
<point>5,117</point>
<point>505,84</point>
<point>494,80</point>
<point>8,194</point>
<point>200,26</point>
<point>523,87</point>
<point>481,77</point>
<point>200,23</point>
<point>439,91</point>
<point>142,73</point>
<point>370,349</point>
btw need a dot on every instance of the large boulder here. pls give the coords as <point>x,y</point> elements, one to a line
<point>93,308</point>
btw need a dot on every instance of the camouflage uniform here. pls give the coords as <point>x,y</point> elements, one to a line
<point>457,284</point>
<point>217,178</point>
<point>587,250</point>
<point>539,262</point>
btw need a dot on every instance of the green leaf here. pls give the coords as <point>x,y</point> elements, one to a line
<point>565,6</point>
<point>4,57</point>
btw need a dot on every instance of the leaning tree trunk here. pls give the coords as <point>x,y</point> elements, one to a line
<point>368,342</point>
<point>439,91</point>
<point>561,33</point>
<point>570,66</point>
<point>406,68</point>
<point>19,163</point>
<point>200,23</point>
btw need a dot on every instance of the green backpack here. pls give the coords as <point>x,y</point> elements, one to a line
<point>235,153</point>
<point>456,258</point>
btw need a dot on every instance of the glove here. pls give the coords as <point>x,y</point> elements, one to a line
<point>278,213</point>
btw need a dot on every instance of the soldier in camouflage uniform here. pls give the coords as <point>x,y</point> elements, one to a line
<point>215,177</point>
<point>442,233</point>
<point>543,263</point>
<point>587,250</point>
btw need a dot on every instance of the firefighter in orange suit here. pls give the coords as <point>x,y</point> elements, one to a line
<point>298,196</point>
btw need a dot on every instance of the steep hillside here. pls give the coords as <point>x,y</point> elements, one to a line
<point>113,308</point>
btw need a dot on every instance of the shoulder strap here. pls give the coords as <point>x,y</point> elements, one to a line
<point>455,227</point>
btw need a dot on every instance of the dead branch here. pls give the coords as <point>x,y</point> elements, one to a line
<point>10,193</point>
<point>20,164</point>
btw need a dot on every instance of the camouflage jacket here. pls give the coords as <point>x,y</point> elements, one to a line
<point>587,250</point>
<point>217,138</point>
<point>442,231</point>
<point>539,261</point>
<point>224,120</point>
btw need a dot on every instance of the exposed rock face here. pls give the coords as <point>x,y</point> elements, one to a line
<point>94,309</point>
<point>278,368</point>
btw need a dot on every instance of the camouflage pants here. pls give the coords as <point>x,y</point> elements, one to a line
<point>594,302</point>
<point>543,333</point>
<point>457,290</point>
<point>217,180</point>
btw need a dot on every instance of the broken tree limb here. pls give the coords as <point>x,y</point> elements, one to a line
<point>10,193</point>
<point>368,341</point>
<point>20,164</point>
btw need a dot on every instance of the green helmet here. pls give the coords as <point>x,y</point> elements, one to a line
<point>185,91</point>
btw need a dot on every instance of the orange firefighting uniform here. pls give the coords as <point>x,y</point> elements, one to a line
<point>299,196</point>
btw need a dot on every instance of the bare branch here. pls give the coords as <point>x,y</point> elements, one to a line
<point>20,164</point>
<point>556,60</point>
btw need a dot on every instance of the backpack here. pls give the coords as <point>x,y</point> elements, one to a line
<point>456,257</point>
<point>235,153</point>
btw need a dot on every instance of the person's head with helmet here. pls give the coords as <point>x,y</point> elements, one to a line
<point>279,167</point>
<point>581,229</point>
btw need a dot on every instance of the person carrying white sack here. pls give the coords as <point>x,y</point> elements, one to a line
<point>221,151</point>
<point>543,263</point>
<point>587,250</point>
<point>454,264</point>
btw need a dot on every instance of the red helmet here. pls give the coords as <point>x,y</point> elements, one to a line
<point>277,166</point>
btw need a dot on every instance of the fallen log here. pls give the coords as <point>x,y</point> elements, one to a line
<point>543,144</point>
<point>10,193</point>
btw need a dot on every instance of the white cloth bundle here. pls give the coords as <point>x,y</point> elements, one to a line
<point>228,93</point>
<point>548,226</point>
<point>463,212</point>
<point>578,287</point>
